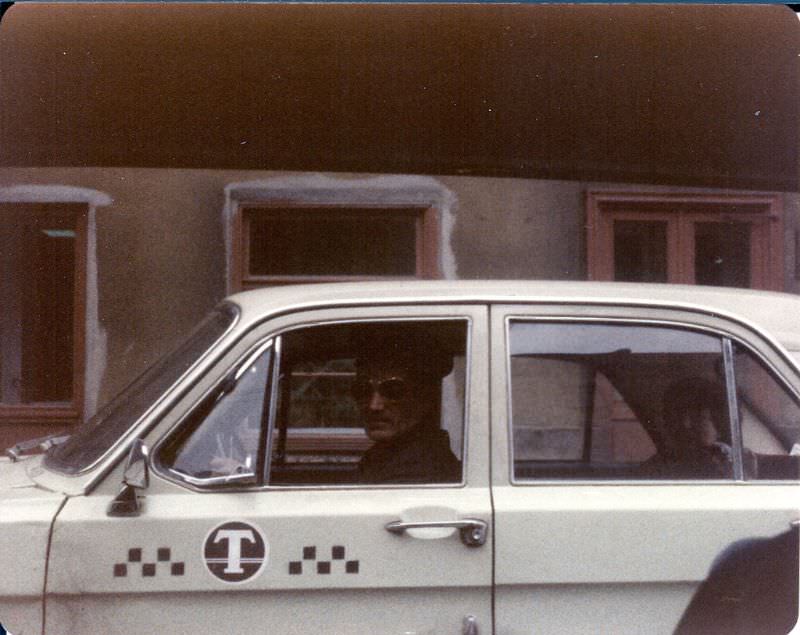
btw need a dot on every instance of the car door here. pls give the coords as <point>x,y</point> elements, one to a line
<point>644,473</point>
<point>293,539</point>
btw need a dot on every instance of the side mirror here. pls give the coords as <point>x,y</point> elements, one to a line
<point>135,477</point>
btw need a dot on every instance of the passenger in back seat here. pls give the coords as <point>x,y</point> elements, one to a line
<point>697,431</point>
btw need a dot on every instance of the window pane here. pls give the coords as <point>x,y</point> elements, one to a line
<point>224,434</point>
<point>48,301</point>
<point>640,251</point>
<point>38,295</point>
<point>94,438</point>
<point>722,254</point>
<point>617,402</point>
<point>371,403</point>
<point>333,242</point>
<point>770,420</point>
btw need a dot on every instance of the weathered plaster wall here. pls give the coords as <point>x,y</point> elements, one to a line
<point>513,228</point>
<point>159,260</point>
<point>161,243</point>
<point>791,205</point>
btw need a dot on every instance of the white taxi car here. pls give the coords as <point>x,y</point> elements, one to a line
<point>433,458</point>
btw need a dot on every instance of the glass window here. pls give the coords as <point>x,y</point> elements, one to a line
<point>332,242</point>
<point>221,442</point>
<point>368,403</point>
<point>722,254</point>
<point>602,401</point>
<point>640,251</point>
<point>42,300</point>
<point>686,238</point>
<point>371,403</point>
<point>329,243</point>
<point>770,420</point>
<point>95,437</point>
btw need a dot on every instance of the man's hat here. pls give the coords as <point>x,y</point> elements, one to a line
<point>415,347</point>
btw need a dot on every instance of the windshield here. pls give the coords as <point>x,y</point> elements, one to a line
<point>98,435</point>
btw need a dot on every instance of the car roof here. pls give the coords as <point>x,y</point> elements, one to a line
<point>776,313</point>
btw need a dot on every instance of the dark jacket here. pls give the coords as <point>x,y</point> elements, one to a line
<point>421,455</point>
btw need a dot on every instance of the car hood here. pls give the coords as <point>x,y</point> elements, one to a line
<point>14,474</point>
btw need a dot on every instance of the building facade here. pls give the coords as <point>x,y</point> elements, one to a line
<point>118,236</point>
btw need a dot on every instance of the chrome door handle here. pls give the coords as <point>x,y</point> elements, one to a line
<point>473,531</point>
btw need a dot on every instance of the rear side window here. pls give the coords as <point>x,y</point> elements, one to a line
<point>640,402</point>
<point>770,420</point>
<point>609,401</point>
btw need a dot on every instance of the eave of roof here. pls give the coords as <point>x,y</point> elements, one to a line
<point>664,94</point>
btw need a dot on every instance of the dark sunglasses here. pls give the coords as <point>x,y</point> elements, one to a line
<point>393,388</point>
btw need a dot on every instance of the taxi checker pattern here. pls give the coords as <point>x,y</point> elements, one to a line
<point>149,569</point>
<point>323,567</point>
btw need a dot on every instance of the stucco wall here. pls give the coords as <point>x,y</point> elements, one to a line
<point>514,228</point>
<point>160,244</point>
<point>159,259</point>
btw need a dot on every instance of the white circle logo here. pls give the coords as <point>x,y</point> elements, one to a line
<point>235,551</point>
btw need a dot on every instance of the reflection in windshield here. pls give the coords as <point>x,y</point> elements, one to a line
<point>94,438</point>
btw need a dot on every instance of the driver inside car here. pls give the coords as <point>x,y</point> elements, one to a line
<point>398,393</point>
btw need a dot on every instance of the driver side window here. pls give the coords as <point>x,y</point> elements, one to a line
<point>366,403</point>
<point>370,403</point>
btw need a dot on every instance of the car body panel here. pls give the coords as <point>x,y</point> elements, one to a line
<point>26,515</point>
<point>563,556</point>
<point>116,592</point>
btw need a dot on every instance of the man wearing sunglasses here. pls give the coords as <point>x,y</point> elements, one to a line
<point>399,396</point>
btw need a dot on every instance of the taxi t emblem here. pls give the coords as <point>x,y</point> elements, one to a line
<point>234,538</point>
<point>235,551</point>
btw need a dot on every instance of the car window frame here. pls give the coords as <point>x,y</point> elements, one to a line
<point>757,342</point>
<point>257,336</point>
<point>733,422</point>
<point>237,369</point>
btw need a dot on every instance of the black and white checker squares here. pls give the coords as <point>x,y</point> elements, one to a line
<point>337,563</point>
<point>148,569</point>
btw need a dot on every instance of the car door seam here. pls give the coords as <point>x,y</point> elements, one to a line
<point>47,562</point>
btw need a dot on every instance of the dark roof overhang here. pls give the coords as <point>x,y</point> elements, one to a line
<point>666,94</point>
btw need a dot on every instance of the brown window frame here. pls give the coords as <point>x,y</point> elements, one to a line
<point>71,412</point>
<point>681,211</point>
<point>426,248</point>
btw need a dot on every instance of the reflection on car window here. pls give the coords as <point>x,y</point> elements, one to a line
<point>94,438</point>
<point>601,401</point>
<point>223,437</point>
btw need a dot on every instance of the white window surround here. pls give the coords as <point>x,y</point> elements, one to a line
<point>319,189</point>
<point>95,343</point>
